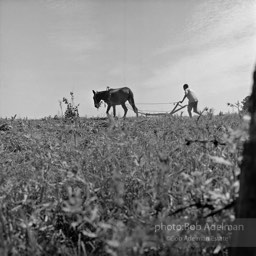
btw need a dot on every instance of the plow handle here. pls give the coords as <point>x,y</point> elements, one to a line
<point>176,110</point>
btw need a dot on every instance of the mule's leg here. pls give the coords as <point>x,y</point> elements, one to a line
<point>108,108</point>
<point>114,111</point>
<point>125,109</point>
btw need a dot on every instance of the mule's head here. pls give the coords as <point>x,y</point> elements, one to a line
<point>97,99</point>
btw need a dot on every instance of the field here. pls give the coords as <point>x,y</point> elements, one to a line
<point>116,187</point>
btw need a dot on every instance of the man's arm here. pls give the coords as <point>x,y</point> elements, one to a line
<point>183,98</point>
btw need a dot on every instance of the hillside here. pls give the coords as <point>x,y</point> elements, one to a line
<point>117,187</point>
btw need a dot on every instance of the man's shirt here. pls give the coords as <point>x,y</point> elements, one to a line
<point>190,95</point>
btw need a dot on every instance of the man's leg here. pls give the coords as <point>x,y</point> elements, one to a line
<point>189,109</point>
<point>195,108</point>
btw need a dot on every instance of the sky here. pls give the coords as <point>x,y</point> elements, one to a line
<point>49,48</point>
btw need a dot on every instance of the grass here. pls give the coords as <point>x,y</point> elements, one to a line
<point>102,186</point>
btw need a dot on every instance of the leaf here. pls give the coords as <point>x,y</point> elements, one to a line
<point>187,177</point>
<point>196,173</point>
<point>208,181</point>
<point>16,208</point>
<point>105,225</point>
<point>220,160</point>
<point>217,249</point>
<point>216,195</point>
<point>236,186</point>
<point>113,243</point>
<point>89,234</point>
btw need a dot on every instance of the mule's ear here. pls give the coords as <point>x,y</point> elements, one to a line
<point>93,92</point>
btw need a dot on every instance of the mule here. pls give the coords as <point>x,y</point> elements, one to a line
<point>115,97</point>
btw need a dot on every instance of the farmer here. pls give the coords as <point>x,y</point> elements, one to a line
<point>192,100</point>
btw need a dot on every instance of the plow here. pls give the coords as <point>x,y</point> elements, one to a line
<point>176,108</point>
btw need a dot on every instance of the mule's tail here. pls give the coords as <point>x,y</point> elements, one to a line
<point>131,101</point>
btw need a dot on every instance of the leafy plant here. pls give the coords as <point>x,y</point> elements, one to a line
<point>72,109</point>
